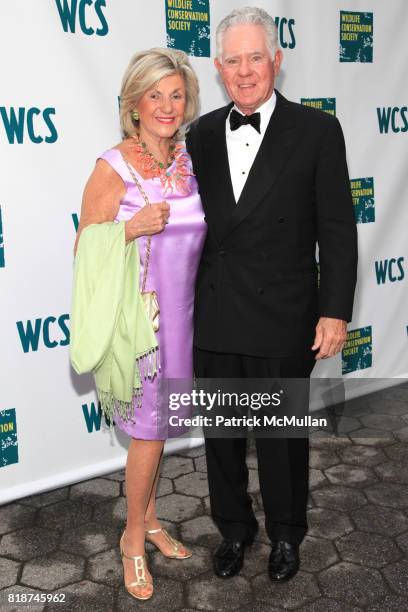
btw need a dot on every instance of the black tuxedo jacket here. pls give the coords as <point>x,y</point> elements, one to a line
<point>257,285</point>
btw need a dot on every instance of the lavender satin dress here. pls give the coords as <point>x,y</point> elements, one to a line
<point>174,258</point>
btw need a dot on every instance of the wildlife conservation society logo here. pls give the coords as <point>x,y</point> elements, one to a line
<point>357,353</point>
<point>362,190</point>
<point>328,105</point>
<point>188,26</point>
<point>356,37</point>
<point>8,437</point>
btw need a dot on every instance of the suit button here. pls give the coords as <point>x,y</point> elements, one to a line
<point>281,219</point>
<point>260,290</point>
<point>221,253</point>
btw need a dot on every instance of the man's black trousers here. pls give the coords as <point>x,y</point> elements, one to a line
<point>283,463</point>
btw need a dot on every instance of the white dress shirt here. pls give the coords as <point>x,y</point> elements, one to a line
<point>243,145</point>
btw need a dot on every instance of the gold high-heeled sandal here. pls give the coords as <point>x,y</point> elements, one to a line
<point>176,545</point>
<point>140,566</point>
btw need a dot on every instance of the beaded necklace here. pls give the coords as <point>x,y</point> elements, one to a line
<point>153,168</point>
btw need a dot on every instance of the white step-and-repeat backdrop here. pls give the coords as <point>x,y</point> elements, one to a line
<point>62,63</point>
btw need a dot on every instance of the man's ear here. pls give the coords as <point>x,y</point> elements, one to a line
<point>218,65</point>
<point>277,61</point>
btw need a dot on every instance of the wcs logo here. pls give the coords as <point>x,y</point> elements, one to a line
<point>93,417</point>
<point>389,269</point>
<point>50,332</point>
<point>75,221</point>
<point>285,27</point>
<point>395,118</point>
<point>88,13</point>
<point>37,123</point>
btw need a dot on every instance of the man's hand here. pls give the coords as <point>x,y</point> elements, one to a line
<point>330,337</point>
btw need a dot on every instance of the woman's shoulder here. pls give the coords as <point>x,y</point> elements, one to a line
<point>121,157</point>
<point>115,162</point>
<point>113,152</point>
<point>122,147</point>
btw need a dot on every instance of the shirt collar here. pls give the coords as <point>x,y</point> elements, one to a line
<point>266,109</point>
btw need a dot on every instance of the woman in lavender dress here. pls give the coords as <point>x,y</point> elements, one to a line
<point>159,95</point>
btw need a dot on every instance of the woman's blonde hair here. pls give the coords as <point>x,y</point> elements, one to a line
<point>147,68</point>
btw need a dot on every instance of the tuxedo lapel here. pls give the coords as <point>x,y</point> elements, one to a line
<point>220,200</point>
<point>276,146</point>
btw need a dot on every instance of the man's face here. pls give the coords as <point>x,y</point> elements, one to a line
<point>247,69</point>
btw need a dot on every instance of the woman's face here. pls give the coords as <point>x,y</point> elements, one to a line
<point>161,109</point>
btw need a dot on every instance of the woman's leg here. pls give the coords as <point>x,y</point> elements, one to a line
<point>141,470</point>
<point>152,522</point>
<point>150,519</point>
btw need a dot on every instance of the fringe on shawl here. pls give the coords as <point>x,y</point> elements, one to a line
<point>147,366</point>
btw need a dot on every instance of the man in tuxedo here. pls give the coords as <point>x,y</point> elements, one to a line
<point>274,182</point>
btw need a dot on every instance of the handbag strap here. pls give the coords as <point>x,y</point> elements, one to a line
<point>149,238</point>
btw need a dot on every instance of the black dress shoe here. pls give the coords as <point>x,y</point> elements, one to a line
<point>283,561</point>
<point>229,558</point>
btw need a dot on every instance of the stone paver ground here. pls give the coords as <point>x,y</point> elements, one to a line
<point>355,556</point>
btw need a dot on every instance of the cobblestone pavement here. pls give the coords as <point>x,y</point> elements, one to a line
<point>355,556</point>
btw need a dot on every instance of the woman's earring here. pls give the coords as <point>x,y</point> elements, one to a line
<point>135,115</point>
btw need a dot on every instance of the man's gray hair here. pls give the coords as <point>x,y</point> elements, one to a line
<point>249,14</point>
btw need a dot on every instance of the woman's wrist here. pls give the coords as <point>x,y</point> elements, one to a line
<point>131,231</point>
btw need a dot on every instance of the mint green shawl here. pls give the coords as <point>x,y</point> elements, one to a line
<point>111,334</point>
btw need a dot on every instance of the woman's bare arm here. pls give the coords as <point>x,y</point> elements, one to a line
<point>101,198</point>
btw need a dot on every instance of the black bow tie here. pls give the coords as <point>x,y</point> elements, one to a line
<point>236,120</point>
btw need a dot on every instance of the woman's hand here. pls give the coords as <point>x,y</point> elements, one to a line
<point>148,221</point>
